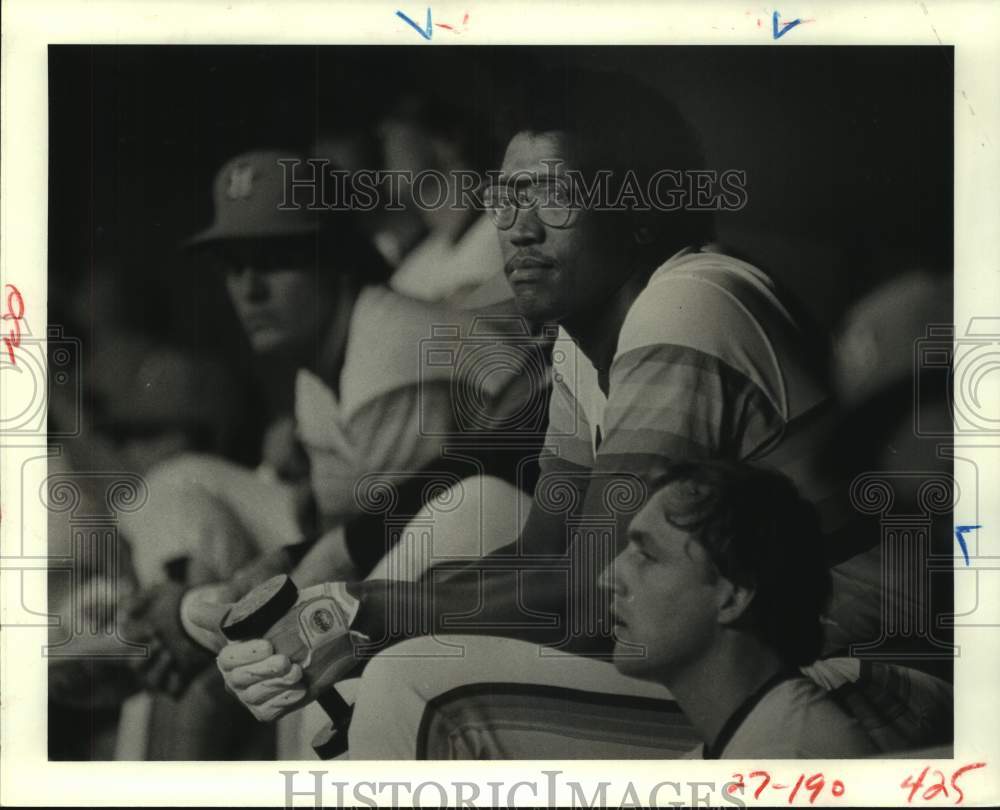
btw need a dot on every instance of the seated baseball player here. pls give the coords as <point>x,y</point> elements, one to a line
<point>717,595</point>
<point>667,352</point>
<point>715,603</point>
<point>310,293</point>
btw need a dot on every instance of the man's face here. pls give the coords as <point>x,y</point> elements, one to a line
<point>275,293</point>
<point>664,597</point>
<point>557,274</point>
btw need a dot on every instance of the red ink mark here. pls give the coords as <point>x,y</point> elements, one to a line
<point>758,22</point>
<point>455,29</point>
<point>936,790</point>
<point>814,785</point>
<point>795,790</point>
<point>14,339</point>
<point>914,786</point>
<point>958,773</point>
<point>767,779</point>
<point>939,787</point>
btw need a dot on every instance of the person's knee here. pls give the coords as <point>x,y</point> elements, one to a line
<point>392,696</point>
<point>409,666</point>
<point>476,516</point>
<point>184,519</point>
<point>466,521</point>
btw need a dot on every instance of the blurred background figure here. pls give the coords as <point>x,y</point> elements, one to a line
<point>144,402</point>
<point>876,372</point>
<point>883,391</point>
<point>431,141</point>
<point>394,226</point>
<point>170,403</point>
<point>293,286</point>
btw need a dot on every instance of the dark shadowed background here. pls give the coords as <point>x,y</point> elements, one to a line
<point>848,150</point>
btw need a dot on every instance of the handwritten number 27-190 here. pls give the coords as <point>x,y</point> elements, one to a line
<point>14,313</point>
<point>813,785</point>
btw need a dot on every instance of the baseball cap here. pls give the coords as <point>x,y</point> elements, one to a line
<point>248,195</point>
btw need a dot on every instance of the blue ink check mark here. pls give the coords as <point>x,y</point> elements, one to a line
<point>785,28</point>
<point>427,32</point>
<point>960,536</point>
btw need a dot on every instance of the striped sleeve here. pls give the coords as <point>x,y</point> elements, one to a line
<point>671,402</point>
<point>702,371</point>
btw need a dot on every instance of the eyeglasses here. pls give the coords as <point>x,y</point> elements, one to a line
<point>552,199</point>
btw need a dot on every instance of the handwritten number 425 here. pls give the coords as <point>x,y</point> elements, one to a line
<point>937,787</point>
<point>14,313</point>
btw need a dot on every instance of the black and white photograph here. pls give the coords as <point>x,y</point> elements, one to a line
<point>448,400</point>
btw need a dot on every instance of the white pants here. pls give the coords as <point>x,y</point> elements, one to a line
<point>484,697</point>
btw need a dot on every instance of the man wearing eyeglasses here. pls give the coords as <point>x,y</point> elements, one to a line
<point>666,352</point>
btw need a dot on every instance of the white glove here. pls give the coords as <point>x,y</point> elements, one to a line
<point>305,653</point>
<point>202,610</point>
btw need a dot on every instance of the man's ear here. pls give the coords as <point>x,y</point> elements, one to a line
<point>733,600</point>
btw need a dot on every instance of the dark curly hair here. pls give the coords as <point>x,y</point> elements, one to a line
<point>617,123</point>
<point>760,533</point>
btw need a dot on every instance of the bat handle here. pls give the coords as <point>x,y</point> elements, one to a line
<point>331,741</point>
<point>268,603</point>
